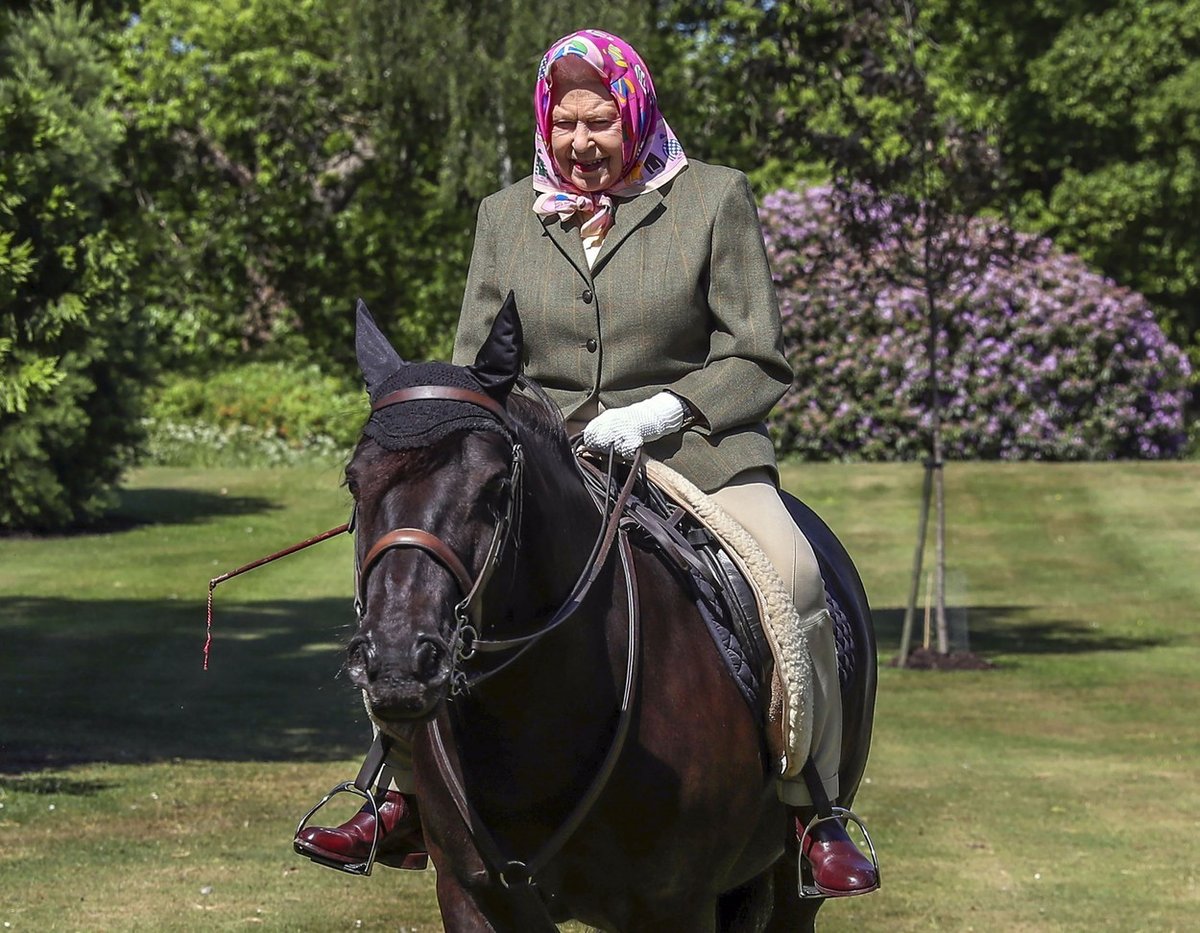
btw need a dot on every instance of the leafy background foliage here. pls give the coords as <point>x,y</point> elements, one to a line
<point>190,185</point>
<point>259,414</point>
<point>1099,105</point>
<point>73,354</point>
<point>1042,358</point>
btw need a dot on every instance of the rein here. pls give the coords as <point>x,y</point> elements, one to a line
<point>519,875</point>
<point>513,874</point>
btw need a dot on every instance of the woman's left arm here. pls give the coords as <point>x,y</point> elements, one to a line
<point>745,372</point>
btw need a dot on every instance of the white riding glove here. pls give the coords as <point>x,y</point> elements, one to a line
<point>626,429</point>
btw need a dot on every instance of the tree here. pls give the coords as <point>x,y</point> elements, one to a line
<point>290,157</point>
<point>71,342</point>
<point>246,154</point>
<point>1099,104</point>
<point>1095,104</point>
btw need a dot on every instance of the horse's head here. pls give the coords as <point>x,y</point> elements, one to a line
<point>433,481</point>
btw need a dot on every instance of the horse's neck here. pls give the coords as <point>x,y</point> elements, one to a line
<point>556,528</point>
<point>566,677</point>
<point>559,527</point>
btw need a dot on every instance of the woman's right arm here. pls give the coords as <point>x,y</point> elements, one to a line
<point>482,298</point>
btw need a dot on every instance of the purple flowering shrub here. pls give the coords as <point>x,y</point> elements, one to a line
<point>1038,359</point>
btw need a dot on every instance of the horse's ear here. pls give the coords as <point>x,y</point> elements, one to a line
<point>499,361</point>
<point>377,358</point>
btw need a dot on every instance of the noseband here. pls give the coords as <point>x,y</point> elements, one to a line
<point>467,611</point>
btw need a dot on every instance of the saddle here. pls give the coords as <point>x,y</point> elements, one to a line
<point>766,657</point>
<point>657,523</point>
<point>723,595</point>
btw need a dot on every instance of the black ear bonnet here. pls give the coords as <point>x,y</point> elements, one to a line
<point>421,423</point>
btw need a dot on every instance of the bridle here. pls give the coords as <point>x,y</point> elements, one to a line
<point>465,640</point>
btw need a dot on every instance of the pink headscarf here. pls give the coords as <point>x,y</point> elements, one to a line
<point>650,154</point>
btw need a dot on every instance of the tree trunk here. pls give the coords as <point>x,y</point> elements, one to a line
<point>914,589</point>
<point>937,466</point>
<point>939,571</point>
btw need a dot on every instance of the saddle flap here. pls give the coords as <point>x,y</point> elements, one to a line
<point>723,594</point>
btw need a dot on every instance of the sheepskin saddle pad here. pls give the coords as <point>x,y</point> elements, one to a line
<point>785,674</point>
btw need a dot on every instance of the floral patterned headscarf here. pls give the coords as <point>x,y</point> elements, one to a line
<point>650,154</point>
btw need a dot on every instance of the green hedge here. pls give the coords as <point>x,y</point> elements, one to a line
<point>253,414</point>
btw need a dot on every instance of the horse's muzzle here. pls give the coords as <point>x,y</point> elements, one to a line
<point>400,684</point>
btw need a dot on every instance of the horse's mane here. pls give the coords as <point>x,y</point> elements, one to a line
<point>536,411</point>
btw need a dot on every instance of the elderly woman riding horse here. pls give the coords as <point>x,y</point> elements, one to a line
<point>650,321</point>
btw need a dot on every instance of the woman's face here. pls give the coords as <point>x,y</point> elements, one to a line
<point>586,135</point>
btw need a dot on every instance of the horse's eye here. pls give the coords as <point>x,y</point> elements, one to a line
<point>352,485</point>
<point>495,495</point>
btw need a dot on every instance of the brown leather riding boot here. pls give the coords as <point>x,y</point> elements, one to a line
<point>839,869</point>
<point>401,844</point>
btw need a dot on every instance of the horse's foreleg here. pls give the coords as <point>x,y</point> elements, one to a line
<point>703,920</point>
<point>748,908</point>
<point>488,910</point>
<point>792,913</point>
<point>460,912</point>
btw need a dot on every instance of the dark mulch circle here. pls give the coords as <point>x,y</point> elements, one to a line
<point>926,659</point>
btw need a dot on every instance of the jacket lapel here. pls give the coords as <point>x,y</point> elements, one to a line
<point>628,216</point>
<point>566,238</point>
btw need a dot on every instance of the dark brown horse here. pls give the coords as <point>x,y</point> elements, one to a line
<point>617,764</point>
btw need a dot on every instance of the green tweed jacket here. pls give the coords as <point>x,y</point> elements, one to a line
<point>679,298</point>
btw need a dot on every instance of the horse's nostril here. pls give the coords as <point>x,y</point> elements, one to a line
<point>361,660</point>
<point>427,657</point>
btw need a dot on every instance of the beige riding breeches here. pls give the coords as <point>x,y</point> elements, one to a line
<point>753,501</point>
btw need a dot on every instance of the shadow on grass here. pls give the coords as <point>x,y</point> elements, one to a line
<point>137,508</point>
<point>53,786</point>
<point>163,506</point>
<point>122,681</point>
<point>999,630</point>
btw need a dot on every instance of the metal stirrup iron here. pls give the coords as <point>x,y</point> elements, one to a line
<point>826,813</point>
<point>374,778</point>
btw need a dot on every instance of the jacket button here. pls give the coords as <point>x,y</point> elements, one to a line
<point>591,345</point>
<point>587,296</point>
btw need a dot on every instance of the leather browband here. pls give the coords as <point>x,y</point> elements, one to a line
<point>448,394</point>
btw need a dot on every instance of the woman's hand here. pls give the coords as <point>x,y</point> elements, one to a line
<point>626,429</point>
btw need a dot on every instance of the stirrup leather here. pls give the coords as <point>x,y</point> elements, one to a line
<point>372,783</point>
<point>807,888</point>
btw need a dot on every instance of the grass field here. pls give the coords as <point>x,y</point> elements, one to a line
<point>1056,792</point>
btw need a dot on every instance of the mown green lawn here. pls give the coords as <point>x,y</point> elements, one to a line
<point>1056,792</point>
